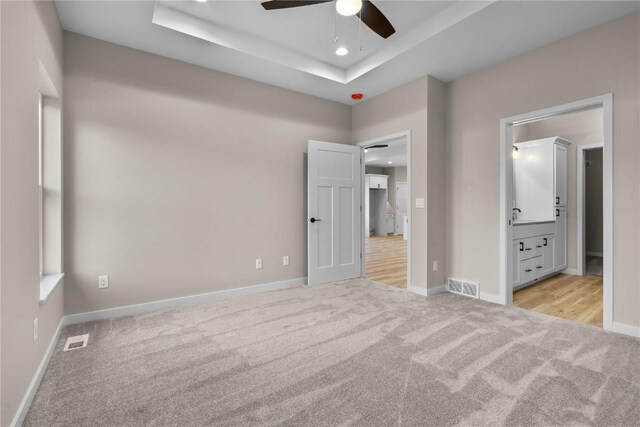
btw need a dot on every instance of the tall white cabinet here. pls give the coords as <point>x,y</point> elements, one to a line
<point>539,209</point>
<point>540,172</point>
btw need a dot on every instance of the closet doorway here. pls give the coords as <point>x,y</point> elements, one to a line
<point>386,213</point>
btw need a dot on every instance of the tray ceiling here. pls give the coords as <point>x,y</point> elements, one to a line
<point>295,48</point>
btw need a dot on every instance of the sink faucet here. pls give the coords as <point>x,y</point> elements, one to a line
<point>514,214</point>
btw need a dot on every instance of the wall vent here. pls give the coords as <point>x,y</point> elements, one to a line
<point>463,287</point>
<point>74,343</point>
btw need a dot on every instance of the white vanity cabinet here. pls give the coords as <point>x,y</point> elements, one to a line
<point>560,256</point>
<point>536,252</point>
<point>560,173</point>
<point>540,178</point>
<point>539,209</point>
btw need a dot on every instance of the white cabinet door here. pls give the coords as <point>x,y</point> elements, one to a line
<point>548,253</point>
<point>400,220</point>
<point>560,175</point>
<point>334,226</point>
<point>379,182</point>
<point>533,171</point>
<point>560,258</point>
<point>515,281</point>
<point>391,223</point>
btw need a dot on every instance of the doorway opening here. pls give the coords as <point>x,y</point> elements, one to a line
<point>556,177</point>
<point>386,213</point>
<point>590,250</point>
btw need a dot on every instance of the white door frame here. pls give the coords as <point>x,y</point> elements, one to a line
<point>506,190</point>
<point>387,140</point>
<point>581,229</point>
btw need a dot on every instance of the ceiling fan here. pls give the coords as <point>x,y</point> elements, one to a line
<point>366,11</point>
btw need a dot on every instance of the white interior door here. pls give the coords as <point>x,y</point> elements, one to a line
<point>334,219</point>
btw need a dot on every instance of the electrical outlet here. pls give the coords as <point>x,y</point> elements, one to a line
<point>419,203</point>
<point>35,330</point>
<point>285,260</point>
<point>435,265</point>
<point>103,282</point>
<point>258,263</point>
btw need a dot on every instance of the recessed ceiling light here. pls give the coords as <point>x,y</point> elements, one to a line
<point>390,163</point>
<point>342,51</point>
<point>201,1</point>
<point>348,7</point>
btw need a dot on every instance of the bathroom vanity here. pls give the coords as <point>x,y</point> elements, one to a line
<point>539,210</point>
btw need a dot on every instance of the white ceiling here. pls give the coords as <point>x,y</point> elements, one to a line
<point>396,153</point>
<point>295,48</point>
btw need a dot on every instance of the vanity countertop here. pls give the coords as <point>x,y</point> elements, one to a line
<point>529,222</point>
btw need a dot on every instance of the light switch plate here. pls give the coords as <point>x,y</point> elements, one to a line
<point>258,263</point>
<point>285,260</point>
<point>419,203</point>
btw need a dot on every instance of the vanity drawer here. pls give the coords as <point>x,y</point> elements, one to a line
<point>531,247</point>
<point>543,228</point>
<point>527,270</point>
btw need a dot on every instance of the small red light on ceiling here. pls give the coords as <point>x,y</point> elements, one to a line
<point>357,96</point>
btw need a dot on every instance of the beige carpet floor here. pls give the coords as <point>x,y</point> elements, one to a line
<point>351,353</point>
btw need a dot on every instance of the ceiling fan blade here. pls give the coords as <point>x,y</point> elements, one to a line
<point>374,19</point>
<point>286,4</point>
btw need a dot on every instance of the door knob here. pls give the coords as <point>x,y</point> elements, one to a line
<point>312,220</point>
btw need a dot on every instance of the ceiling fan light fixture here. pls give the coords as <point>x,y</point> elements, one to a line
<point>342,51</point>
<point>348,7</point>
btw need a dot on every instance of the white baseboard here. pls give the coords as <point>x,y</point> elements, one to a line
<point>591,253</point>
<point>491,298</point>
<point>130,310</point>
<point>436,290</point>
<point>21,413</point>
<point>427,292</point>
<point>623,328</point>
<point>417,290</point>
<point>572,271</point>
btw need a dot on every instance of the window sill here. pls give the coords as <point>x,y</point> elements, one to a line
<point>48,284</point>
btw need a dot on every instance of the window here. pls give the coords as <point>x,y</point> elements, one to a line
<point>40,189</point>
<point>49,187</point>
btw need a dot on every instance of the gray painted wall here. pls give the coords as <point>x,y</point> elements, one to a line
<point>29,34</point>
<point>178,177</point>
<point>605,59</point>
<point>406,108</point>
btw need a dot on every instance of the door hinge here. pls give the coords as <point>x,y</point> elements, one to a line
<point>360,255</point>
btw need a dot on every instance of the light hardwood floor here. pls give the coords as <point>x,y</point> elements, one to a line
<point>386,260</point>
<point>570,297</point>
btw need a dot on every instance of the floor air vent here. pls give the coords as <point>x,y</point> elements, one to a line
<point>463,287</point>
<point>74,343</point>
